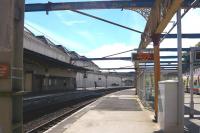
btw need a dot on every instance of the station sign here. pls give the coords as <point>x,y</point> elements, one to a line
<point>142,56</point>
<point>4,70</point>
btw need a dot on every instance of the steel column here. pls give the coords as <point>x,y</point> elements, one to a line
<point>191,84</point>
<point>11,55</point>
<point>180,97</point>
<point>136,77</point>
<point>156,40</point>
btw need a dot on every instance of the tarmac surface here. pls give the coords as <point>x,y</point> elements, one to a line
<point>119,112</point>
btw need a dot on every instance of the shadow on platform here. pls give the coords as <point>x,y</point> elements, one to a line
<point>120,104</point>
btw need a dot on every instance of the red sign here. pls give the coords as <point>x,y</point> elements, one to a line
<point>142,56</point>
<point>4,70</point>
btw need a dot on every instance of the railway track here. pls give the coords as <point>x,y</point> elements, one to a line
<point>50,121</point>
<point>41,119</point>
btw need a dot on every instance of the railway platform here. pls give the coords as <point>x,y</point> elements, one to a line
<point>119,112</point>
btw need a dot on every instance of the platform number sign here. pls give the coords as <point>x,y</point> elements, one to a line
<point>4,70</point>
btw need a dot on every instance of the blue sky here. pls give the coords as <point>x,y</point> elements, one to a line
<point>94,38</point>
<point>84,34</point>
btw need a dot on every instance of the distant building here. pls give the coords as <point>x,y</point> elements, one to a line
<point>46,67</point>
<point>87,79</point>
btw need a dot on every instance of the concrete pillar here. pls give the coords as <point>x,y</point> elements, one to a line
<point>11,65</point>
<point>156,44</point>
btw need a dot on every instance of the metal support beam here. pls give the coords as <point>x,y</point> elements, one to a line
<point>123,4</point>
<point>189,36</point>
<point>161,14</point>
<point>119,4</point>
<point>123,68</point>
<point>168,62</point>
<point>11,60</point>
<point>164,65</point>
<point>165,49</point>
<point>180,97</point>
<point>156,40</point>
<point>119,58</point>
<point>120,68</point>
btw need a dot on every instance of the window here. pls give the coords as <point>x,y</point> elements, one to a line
<point>49,82</point>
<point>65,84</point>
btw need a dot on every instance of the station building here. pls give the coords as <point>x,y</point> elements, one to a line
<point>50,67</point>
<point>94,76</point>
<point>45,66</point>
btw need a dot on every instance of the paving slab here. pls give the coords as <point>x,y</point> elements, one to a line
<point>119,112</point>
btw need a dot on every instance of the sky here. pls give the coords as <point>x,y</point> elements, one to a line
<point>94,38</point>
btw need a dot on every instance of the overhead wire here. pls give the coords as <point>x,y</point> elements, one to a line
<point>119,53</point>
<point>107,21</point>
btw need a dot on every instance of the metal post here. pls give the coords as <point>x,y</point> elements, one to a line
<point>136,78</point>
<point>106,81</point>
<point>191,85</point>
<point>11,66</point>
<point>121,81</point>
<point>144,85</point>
<point>180,111</point>
<point>156,40</point>
<point>84,83</point>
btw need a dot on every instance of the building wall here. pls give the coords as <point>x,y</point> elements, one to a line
<point>62,72</point>
<point>87,64</point>
<point>34,44</point>
<point>40,77</point>
<point>99,78</point>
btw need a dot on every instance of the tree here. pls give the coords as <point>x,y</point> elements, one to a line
<point>197,45</point>
<point>186,60</point>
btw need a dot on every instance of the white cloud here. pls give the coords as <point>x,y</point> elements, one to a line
<point>67,22</point>
<point>109,49</point>
<point>190,22</point>
<point>73,22</point>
